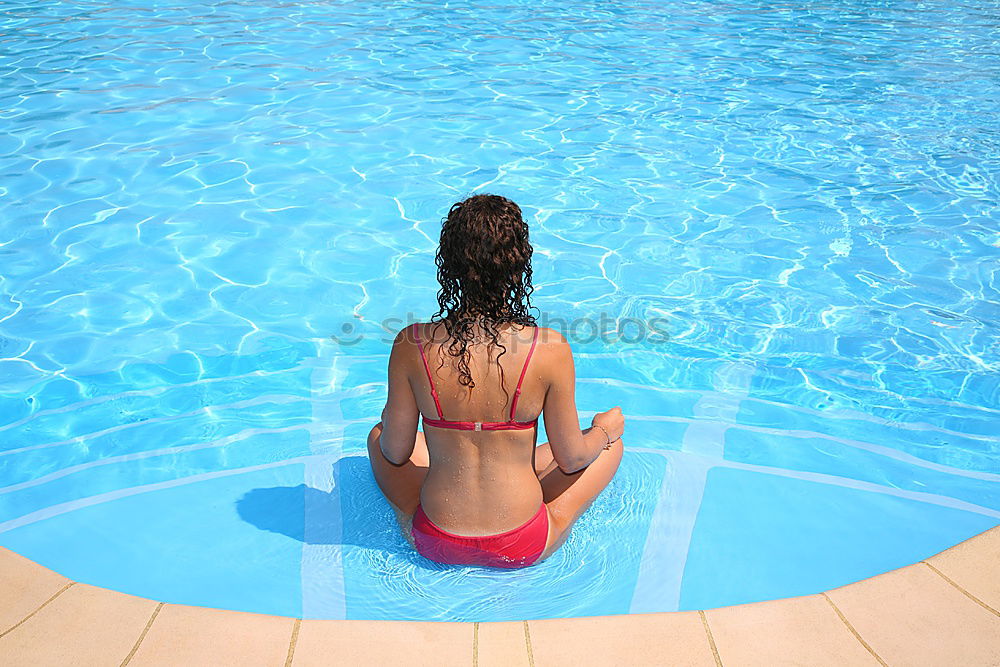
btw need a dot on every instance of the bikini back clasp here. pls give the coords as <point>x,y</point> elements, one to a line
<point>509,425</point>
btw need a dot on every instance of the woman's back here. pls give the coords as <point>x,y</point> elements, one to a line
<point>481,482</point>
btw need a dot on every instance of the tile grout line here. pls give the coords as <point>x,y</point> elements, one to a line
<point>711,639</point>
<point>142,635</point>
<point>293,641</point>
<point>527,643</point>
<point>967,593</point>
<point>40,607</point>
<point>854,632</point>
<point>475,644</point>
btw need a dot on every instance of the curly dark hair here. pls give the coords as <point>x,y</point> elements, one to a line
<point>484,267</point>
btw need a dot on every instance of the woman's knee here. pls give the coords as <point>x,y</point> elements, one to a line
<point>374,436</point>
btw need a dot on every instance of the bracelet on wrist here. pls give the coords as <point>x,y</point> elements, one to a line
<point>607,435</point>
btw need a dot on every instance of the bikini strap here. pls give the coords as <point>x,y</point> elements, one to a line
<point>524,369</point>
<point>427,368</point>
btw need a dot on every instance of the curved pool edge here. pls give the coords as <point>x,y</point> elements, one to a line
<point>942,610</point>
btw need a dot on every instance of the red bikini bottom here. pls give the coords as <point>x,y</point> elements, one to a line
<point>519,547</point>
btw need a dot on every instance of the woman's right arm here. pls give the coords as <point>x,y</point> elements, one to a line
<point>573,449</point>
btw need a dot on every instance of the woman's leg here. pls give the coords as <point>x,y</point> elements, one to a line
<point>568,496</point>
<point>400,484</point>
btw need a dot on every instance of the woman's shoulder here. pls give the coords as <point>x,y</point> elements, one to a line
<point>409,334</point>
<point>550,336</point>
<point>420,333</point>
<point>553,341</point>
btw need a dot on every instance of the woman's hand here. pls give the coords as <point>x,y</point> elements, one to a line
<point>612,422</point>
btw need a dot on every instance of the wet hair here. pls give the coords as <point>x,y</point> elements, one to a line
<point>484,268</point>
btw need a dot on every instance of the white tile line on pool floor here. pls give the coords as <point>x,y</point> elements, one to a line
<point>322,567</point>
<point>90,501</point>
<point>695,460</point>
<point>880,450</point>
<point>658,586</point>
<point>239,436</point>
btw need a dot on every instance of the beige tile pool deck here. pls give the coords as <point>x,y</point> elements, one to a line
<point>942,611</point>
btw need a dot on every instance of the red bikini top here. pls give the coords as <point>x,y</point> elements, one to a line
<point>509,425</point>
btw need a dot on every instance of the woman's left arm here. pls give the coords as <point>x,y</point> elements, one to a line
<point>400,417</point>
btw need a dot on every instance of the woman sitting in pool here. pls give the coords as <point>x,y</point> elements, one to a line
<point>473,489</point>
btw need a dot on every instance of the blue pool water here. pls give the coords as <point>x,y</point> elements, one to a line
<point>212,213</point>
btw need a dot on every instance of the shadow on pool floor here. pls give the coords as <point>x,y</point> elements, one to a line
<point>353,513</point>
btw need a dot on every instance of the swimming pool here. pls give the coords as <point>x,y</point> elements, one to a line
<point>211,213</point>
